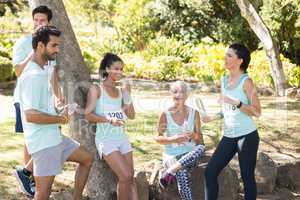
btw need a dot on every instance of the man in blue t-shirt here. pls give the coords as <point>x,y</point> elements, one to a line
<point>22,54</point>
<point>48,148</point>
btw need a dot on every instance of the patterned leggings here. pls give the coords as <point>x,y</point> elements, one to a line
<point>188,161</point>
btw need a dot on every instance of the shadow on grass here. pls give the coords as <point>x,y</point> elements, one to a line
<point>138,148</point>
<point>8,183</point>
<point>277,148</point>
<point>283,105</point>
<point>7,92</point>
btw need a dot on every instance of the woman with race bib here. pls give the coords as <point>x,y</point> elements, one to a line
<point>109,107</point>
<point>240,103</point>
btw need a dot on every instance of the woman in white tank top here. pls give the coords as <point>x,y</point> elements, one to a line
<point>109,107</point>
<point>179,131</point>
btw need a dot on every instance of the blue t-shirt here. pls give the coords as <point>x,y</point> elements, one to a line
<point>35,94</point>
<point>21,50</point>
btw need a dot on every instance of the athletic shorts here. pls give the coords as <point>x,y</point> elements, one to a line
<point>50,161</point>
<point>107,147</point>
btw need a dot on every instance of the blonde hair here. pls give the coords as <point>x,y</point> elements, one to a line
<point>184,87</point>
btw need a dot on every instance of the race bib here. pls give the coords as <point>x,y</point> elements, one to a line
<point>120,115</point>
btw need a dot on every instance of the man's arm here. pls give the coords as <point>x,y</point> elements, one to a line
<point>57,90</point>
<point>32,92</point>
<point>20,67</point>
<point>21,55</point>
<point>37,117</point>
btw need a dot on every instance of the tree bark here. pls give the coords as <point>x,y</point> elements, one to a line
<point>75,79</point>
<point>263,33</point>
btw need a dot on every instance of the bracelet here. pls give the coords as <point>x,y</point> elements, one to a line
<point>66,120</point>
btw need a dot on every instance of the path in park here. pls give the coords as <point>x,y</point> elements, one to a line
<point>147,102</point>
<point>6,108</point>
<point>157,101</point>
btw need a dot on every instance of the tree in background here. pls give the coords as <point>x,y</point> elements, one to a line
<point>283,20</point>
<point>221,21</point>
<point>98,12</point>
<point>249,12</point>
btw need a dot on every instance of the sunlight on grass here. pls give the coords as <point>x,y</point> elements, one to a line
<point>275,136</point>
<point>11,148</point>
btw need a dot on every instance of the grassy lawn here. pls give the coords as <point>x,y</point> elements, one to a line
<point>279,129</point>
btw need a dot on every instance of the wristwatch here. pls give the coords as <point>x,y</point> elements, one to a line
<point>240,104</point>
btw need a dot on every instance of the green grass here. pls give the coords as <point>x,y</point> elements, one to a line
<point>11,155</point>
<point>279,131</point>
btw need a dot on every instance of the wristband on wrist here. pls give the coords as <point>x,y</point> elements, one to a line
<point>127,100</point>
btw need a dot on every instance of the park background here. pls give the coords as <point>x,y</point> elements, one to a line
<point>162,41</point>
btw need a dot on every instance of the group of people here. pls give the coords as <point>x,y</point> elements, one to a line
<point>38,96</point>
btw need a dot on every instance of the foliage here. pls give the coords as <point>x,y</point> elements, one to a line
<point>206,64</point>
<point>193,20</point>
<point>283,19</point>
<point>163,46</point>
<point>90,61</point>
<point>94,10</point>
<point>12,6</point>
<point>134,23</point>
<point>260,72</point>
<point>294,77</point>
<point>6,68</point>
<point>172,39</point>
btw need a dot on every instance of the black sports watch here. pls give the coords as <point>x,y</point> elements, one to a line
<point>240,104</point>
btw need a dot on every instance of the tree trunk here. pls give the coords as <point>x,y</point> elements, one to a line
<point>263,33</point>
<point>75,79</point>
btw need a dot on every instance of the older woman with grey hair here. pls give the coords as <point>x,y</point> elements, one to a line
<point>179,132</point>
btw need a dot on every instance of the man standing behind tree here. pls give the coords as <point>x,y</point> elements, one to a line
<point>48,148</point>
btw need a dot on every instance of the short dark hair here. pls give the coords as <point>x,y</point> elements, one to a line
<point>44,10</point>
<point>43,35</point>
<point>242,52</point>
<point>107,61</point>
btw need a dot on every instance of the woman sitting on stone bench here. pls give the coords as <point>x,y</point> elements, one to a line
<point>179,130</point>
